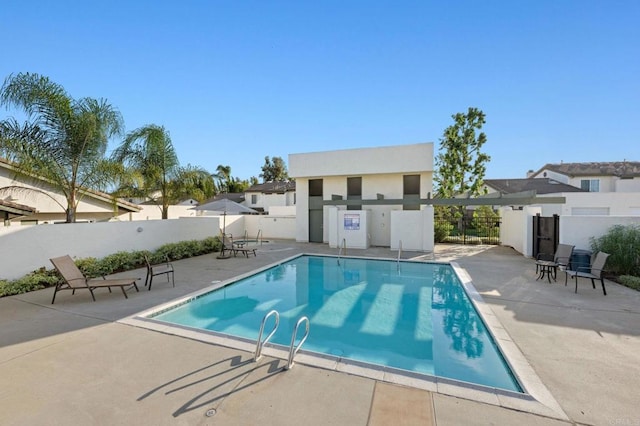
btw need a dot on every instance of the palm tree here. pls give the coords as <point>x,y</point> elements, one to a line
<point>64,140</point>
<point>223,176</point>
<point>154,171</point>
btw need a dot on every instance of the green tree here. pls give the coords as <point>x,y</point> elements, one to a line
<point>63,141</point>
<point>461,165</point>
<point>274,170</point>
<point>223,176</point>
<point>155,172</point>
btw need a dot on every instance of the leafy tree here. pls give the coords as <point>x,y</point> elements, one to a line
<point>223,176</point>
<point>63,141</point>
<point>154,170</point>
<point>460,166</point>
<point>274,170</point>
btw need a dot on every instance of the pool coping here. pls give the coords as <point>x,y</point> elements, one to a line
<point>536,398</point>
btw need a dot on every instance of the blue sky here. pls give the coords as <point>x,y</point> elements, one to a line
<point>234,81</point>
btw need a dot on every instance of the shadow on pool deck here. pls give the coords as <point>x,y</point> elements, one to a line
<point>72,363</point>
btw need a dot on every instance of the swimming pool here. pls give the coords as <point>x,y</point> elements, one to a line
<point>411,316</point>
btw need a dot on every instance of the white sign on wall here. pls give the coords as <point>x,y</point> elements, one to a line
<point>352,222</point>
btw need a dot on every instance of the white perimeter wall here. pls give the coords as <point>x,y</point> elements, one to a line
<point>618,203</point>
<point>150,212</point>
<point>577,230</point>
<point>31,247</point>
<point>516,229</point>
<point>28,248</point>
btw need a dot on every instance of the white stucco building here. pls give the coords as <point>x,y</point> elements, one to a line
<point>365,196</point>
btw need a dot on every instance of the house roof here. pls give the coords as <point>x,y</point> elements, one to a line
<point>540,186</point>
<point>102,196</point>
<point>273,187</point>
<point>622,169</point>
<point>16,209</point>
<point>238,197</point>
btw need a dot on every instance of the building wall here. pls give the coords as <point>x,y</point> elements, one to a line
<point>606,183</point>
<point>51,207</point>
<point>266,201</point>
<point>616,203</point>
<point>363,161</point>
<point>627,185</point>
<point>382,170</point>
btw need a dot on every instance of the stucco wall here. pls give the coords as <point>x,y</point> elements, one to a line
<point>619,204</point>
<point>31,247</point>
<point>363,161</point>
<point>516,229</point>
<point>577,230</point>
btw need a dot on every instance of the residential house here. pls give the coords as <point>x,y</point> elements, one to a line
<point>617,176</point>
<point>47,205</point>
<point>263,196</point>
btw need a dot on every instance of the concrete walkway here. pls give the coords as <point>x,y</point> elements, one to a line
<point>73,363</point>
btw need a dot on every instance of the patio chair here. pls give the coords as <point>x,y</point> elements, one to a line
<point>594,272</point>
<point>235,248</point>
<point>227,246</point>
<point>164,268</point>
<point>242,248</point>
<point>548,265</point>
<point>74,279</point>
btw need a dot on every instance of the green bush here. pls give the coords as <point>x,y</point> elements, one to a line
<point>623,244</point>
<point>30,282</point>
<point>441,231</point>
<point>116,262</point>
<point>630,281</point>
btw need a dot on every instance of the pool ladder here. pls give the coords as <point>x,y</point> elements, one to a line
<point>399,253</point>
<point>343,246</point>
<point>293,349</point>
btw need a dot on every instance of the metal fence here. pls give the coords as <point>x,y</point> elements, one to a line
<point>468,230</point>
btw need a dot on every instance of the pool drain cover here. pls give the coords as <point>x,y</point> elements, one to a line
<point>211,412</point>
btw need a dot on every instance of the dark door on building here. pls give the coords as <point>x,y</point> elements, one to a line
<point>546,234</point>
<point>316,217</point>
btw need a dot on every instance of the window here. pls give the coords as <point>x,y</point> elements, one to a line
<point>591,185</point>
<point>254,198</point>
<point>411,191</point>
<point>315,188</point>
<point>354,192</point>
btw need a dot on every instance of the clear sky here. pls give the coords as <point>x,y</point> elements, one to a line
<point>234,81</point>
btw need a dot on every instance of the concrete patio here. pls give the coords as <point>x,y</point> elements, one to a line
<point>75,363</point>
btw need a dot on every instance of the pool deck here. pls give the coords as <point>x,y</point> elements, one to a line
<point>79,362</point>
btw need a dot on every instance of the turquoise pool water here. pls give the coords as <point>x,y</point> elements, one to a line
<point>413,316</point>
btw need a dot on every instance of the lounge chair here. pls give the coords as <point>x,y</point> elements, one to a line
<point>229,245</point>
<point>74,279</point>
<point>548,265</point>
<point>164,268</point>
<point>594,272</point>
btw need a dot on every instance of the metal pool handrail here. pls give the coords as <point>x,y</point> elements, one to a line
<point>342,246</point>
<point>293,350</point>
<point>260,343</point>
<point>399,252</point>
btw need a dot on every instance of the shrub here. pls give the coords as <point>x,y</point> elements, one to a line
<point>30,282</point>
<point>441,231</point>
<point>630,281</point>
<point>623,244</point>
<point>116,262</point>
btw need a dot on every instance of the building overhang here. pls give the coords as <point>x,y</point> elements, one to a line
<point>520,199</point>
